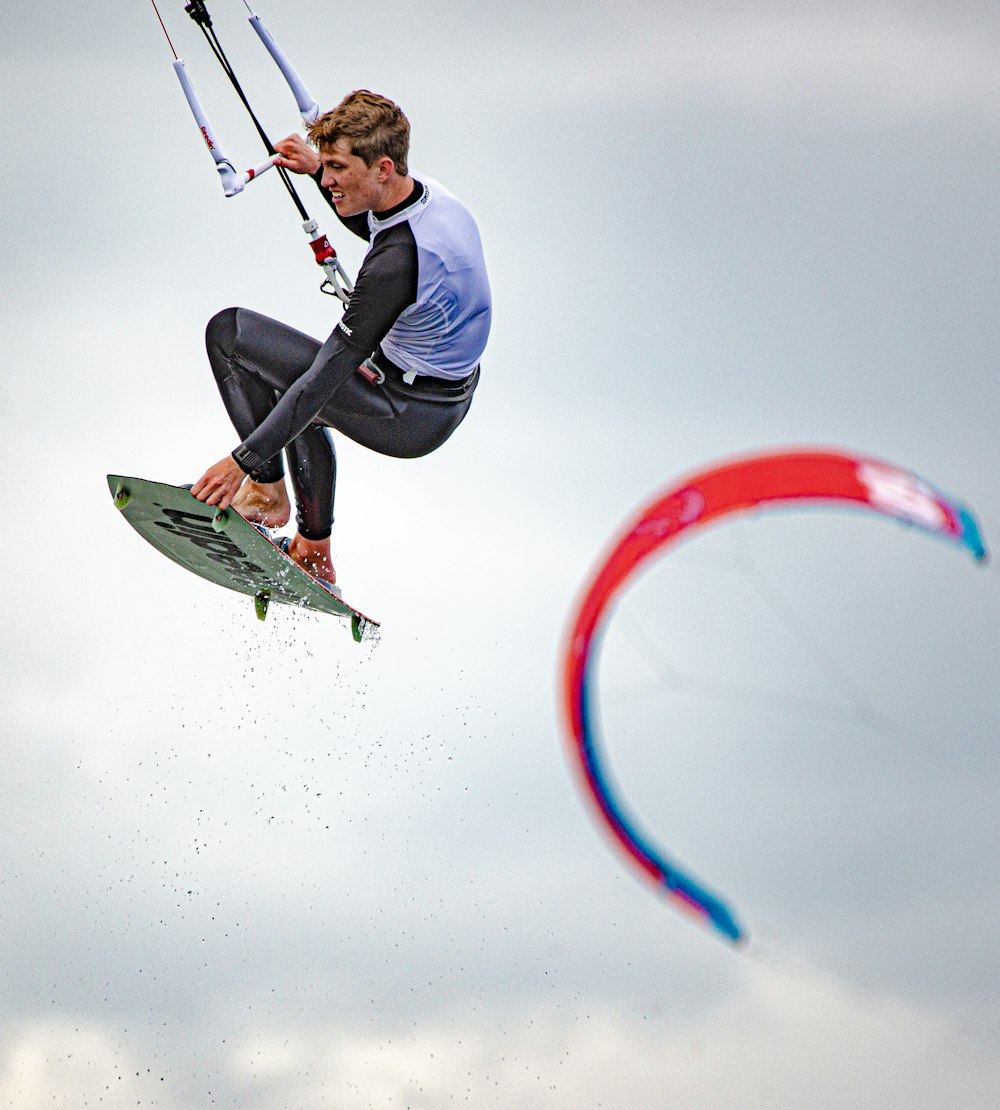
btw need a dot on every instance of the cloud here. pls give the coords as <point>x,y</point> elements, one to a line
<point>787,1037</point>
<point>64,1063</point>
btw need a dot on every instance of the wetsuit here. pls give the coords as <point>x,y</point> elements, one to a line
<point>419,314</point>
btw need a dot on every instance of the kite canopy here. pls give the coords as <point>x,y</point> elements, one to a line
<point>763,481</point>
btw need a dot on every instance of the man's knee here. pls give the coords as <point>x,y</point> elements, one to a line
<point>220,334</point>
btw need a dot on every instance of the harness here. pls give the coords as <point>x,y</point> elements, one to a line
<point>380,370</point>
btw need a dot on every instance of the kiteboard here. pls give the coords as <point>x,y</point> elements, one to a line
<point>222,547</point>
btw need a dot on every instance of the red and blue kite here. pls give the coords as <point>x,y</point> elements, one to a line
<point>800,477</point>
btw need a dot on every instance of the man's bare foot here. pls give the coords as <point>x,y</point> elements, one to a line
<point>263,503</point>
<point>313,556</point>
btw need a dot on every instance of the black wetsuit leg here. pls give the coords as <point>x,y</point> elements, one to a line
<point>256,360</point>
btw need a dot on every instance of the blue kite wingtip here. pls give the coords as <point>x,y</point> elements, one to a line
<point>703,901</point>
<point>972,537</point>
<point>726,924</point>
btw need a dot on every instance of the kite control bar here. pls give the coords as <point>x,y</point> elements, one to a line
<point>336,282</point>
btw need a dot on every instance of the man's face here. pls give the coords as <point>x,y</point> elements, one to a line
<point>354,186</point>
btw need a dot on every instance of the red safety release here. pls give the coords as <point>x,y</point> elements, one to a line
<point>322,249</point>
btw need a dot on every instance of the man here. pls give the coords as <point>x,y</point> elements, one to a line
<point>398,372</point>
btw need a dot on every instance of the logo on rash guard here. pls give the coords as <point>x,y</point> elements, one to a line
<point>218,547</point>
<point>344,328</point>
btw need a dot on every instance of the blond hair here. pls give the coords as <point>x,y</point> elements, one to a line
<point>374,126</point>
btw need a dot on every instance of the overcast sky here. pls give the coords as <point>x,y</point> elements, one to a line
<point>258,866</point>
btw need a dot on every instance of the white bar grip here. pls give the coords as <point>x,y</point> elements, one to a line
<point>233,182</point>
<point>308,108</point>
<point>199,114</point>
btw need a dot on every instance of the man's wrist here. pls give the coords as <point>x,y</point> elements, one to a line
<point>247,460</point>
